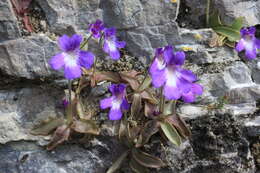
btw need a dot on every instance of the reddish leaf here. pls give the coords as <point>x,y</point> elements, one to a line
<point>136,105</point>
<point>150,128</point>
<point>27,23</point>
<point>133,132</point>
<point>103,76</point>
<point>123,133</point>
<point>131,73</point>
<point>60,135</point>
<point>145,84</point>
<point>150,110</point>
<point>133,82</point>
<point>117,164</point>
<point>136,167</point>
<point>85,126</point>
<point>180,125</point>
<point>48,126</point>
<point>21,5</point>
<point>147,160</point>
<point>149,97</point>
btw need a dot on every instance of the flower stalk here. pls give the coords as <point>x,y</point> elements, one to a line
<point>69,113</point>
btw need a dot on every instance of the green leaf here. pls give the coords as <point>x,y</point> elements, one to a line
<point>150,109</point>
<point>136,105</point>
<point>150,128</point>
<point>231,34</point>
<point>106,76</point>
<point>46,127</point>
<point>238,23</point>
<point>147,160</point>
<point>146,83</point>
<point>168,108</point>
<point>117,164</point>
<point>180,125</point>
<point>230,44</point>
<point>128,77</point>
<point>214,20</point>
<point>147,95</point>
<point>85,126</point>
<point>136,167</point>
<point>171,133</point>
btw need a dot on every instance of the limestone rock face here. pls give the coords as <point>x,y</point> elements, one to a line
<point>9,28</point>
<point>225,134</point>
<point>27,57</point>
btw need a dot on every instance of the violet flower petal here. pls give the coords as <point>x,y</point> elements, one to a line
<point>251,53</point>
<point>72,72</point>
<point>168,54</point>
<point>115,114</point>
<point>179,58</point>
<point>64,42</point>
<point>257,43</point>
<point>171,92</point>
<point>125,105</point>
<point>57,61</point>
<point>86,59</point>
<point>120,44</point>
<point>240,45</point>
<point>197,89</point>
<point>158,78</point>
<point>106,103</point>
<point>188,97</point>
<point>188,75</point>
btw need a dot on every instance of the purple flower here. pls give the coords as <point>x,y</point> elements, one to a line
<point>96,28</point>
<point>166,71</point>
<point>248,42</point>
<point>117,102</point>
<point>71,57</point>
<point>189,97</point>
<point>65,102</point>
<point>111,44</point>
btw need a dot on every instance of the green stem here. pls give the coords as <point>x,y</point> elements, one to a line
<point>174,107</point>
<point>146,74</point>
<point>85,42</point>
<point>69,113</point>
<point>95,61</point>
<point>207,12</point>
<point>162,100</point>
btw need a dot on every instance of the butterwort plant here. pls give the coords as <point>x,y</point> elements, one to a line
<point>134,101</point>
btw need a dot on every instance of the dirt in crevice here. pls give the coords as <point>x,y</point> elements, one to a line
<point>37,19</point>
<point>184,18</point>
<point>11,82</point>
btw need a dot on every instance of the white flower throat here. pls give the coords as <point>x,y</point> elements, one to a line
<point>70,58</point>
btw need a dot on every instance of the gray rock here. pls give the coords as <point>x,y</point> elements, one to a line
<point>143,40</point>
<point>254,65</point>
<point>8,23</point>
<point>28,57</point>
<point>136,13</point>
<point>233,155</point>
<point>229,11</point>
<point>206,152</point>
<point>143,29</point>
<point>70,16</point>
<point>193,13</point>
<point>22,109</point>
<point>27,157</point>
